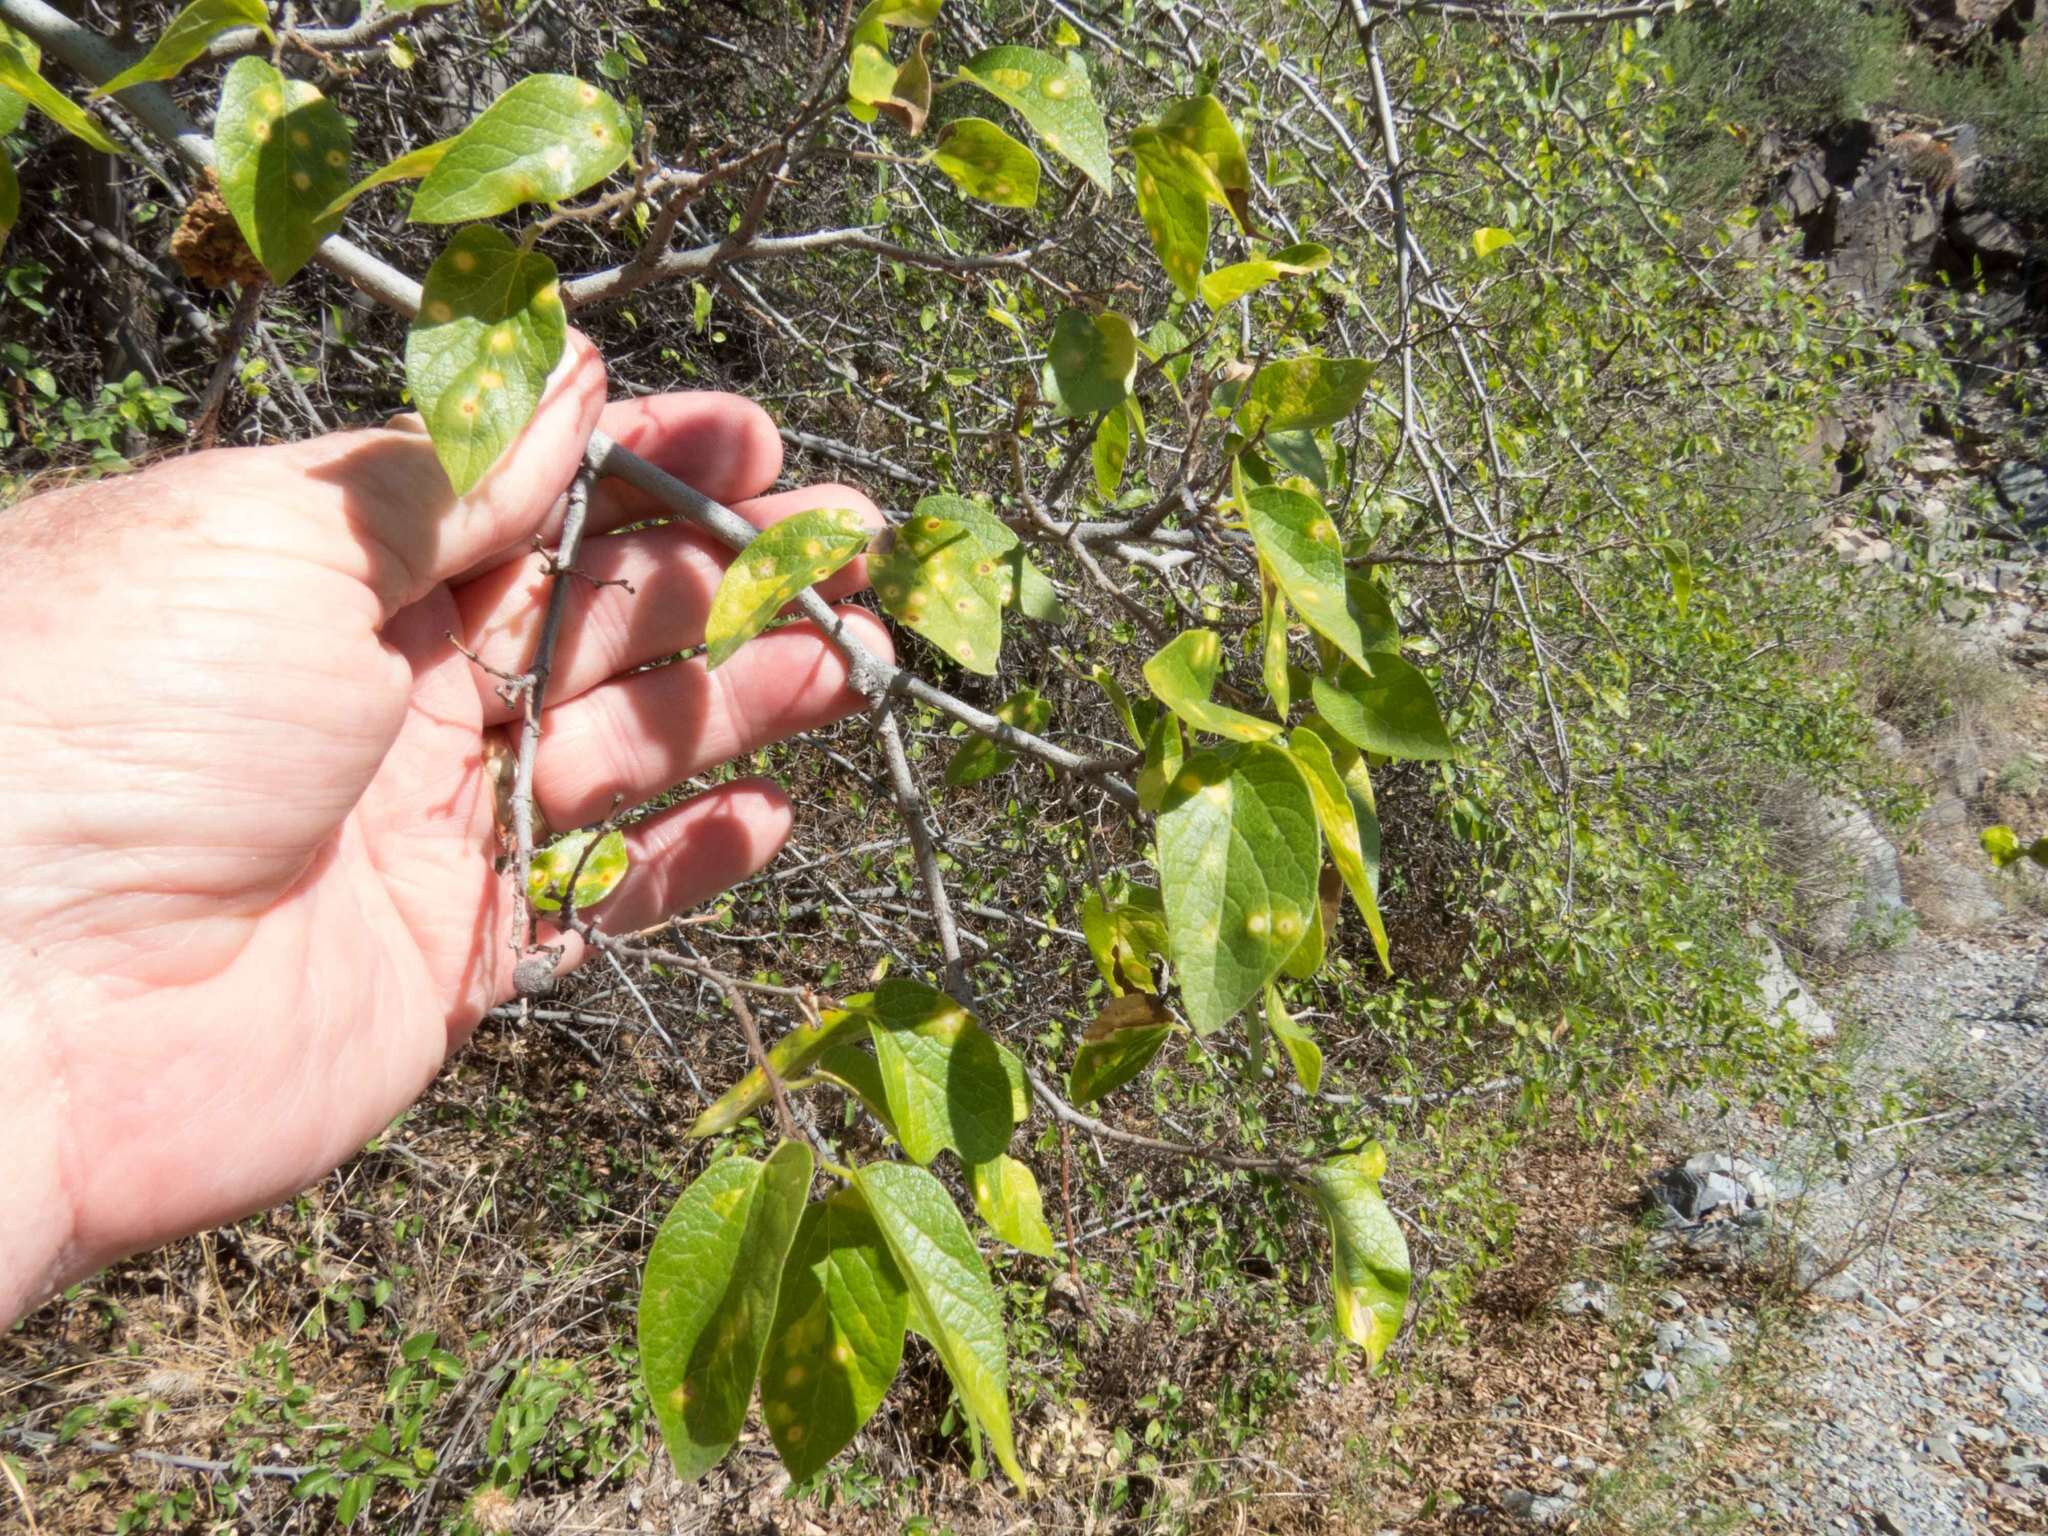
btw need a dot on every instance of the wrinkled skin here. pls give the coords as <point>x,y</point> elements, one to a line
<point>253,901</point>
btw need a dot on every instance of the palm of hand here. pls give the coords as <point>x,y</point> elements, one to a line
<point>255,899</point>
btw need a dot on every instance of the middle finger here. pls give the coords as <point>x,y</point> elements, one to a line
<point>671,573</point>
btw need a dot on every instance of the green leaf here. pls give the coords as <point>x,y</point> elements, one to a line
<point>1273,642</point>
<point>409,166</point>
<point>1183,674</point>
<point>1200,127</point>
<point>1006,1194</point>
<point>985,162</point>
<point>944,582</point>
<point>2003,844</point>
<point>1307,392</point>
<point>1094,358</point>
<point>548,137</point>
<point>1344,819</point>
<point>1118,1045</point>
<point>791,1057</point>
<point>1125,935</point>
<point>13,108</point>
<point>857,1072</point>
<point>283,151</point>
<point>548,876</point>
<point>1490,239</point>
<point>783,559</point>
<point>1174,207</point>
<point>1297,1040</point>
<point>1299,544</point>
<point>1296,454</point>
<point>19,58</point>
<point>951,1301</point>
<point>1238,857</point>
<point>708,1298</point>
<point>1307,958</point>
<point>489,331</point>
<point>1024,586</point>
<point>837,1339</point>
<point>187,36</point>
<point>1110,450</point>
<point>1026,709</point>
<point>1163,753</point>
<point>1390,711</point>
<point>1372,613</point>
<point>1120,701</point>
<point>1226,285</point>
<point>941,1074</point>
<point>1678,563</point>
<point>1369,1266</point>
<point>1054,97</point>
<point>10,199</point>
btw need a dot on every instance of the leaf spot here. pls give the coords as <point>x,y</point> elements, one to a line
<point>465,261</point>
<point>336,159</point>
<point>794,1376</point>
<point>440,312</point>
<point>502,339</point>
<point>301,139</point>
<point>490,378</point>
<point>764,570</point>
<point>301,180</point>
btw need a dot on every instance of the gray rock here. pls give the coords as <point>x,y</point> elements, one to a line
<point>1576,1297</point>
<point>2023,490</point>
<point>1783,993</point>
<point>1544,1511</point>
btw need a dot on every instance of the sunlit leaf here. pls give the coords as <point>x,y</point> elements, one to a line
<point>187,36</point>
<point>603,867</point>
<point>942,581</point>
<point>1489,240</point>
<point>837,1338</point>
<point>1163,753</point>
<point>1183,673</point>
<point>1124,935</point>
<point>1369,1269</point>
<point>1306,392</point>
<point>477,359</point>
<point>1112,446</point>
<point>1297,1041</point>
<point>1173,206</point>
<point>1390,711</point>
<point>1094,357</point>
<point>1006,1194</point>
<point>1344,820</point>
<point>708,1297</point>
<point>1678,564</point>
<point>942,1076</point>
<point>19,59</point>
<point>952,1303</point>
<point>791,1057</point>
<point>1238,857</point>
<point>546,138</point>
<point>1299,544</point>
<point>1226,285</point>
<point>283,151</point>
<point>1054,97</point>
<point>783,559</point>
<point>1201,128</point>
<point>409,166</point>
<point>985,162</point>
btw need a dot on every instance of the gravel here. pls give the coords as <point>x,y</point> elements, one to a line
<point>1928,1398</point>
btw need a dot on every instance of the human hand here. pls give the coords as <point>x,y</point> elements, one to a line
<point>252,901</point>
